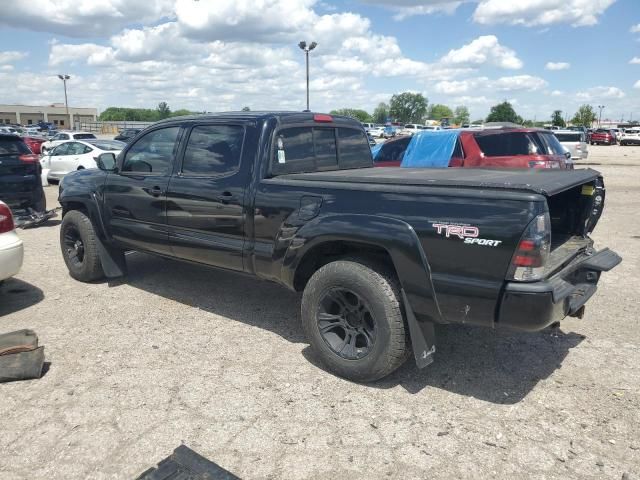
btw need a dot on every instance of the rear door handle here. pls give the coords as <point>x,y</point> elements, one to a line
<point>154,192</point>
<point>226,197</point>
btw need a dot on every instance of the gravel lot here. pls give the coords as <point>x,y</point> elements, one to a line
<point>181,354</point>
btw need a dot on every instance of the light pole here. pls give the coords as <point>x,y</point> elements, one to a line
<point>64,79</point>
<point>600,107</point>
<point>307,48</point>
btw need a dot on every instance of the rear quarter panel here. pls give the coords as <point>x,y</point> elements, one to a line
<point>467,278</point>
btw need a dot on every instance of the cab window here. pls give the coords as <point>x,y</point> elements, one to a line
<point>213,150</point>
<point>153,153</point>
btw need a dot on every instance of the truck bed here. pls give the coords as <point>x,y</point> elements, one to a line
<point>546,182</point>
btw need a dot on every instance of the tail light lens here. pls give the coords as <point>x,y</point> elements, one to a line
<point>532,253</point>
<point>6,219</point>
<point>29,158</point>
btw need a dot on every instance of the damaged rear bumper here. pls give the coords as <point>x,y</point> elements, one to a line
<point>534,306</point>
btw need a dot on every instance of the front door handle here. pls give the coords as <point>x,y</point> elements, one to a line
<point>226,197</point>
<point>154,192</point>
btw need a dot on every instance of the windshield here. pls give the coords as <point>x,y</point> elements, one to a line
<point>569,137</point>
<point>83,136</point>
<point>108,145</point>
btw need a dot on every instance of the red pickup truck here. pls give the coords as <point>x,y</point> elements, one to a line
<point>495,147</point>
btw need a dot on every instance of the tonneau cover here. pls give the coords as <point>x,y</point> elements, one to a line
<point>547,182</point>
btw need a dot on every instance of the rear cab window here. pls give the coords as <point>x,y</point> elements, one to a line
<point>313,149</point>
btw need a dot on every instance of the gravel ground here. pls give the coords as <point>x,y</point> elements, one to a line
<point>181,354</point>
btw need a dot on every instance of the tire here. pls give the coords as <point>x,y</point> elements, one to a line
<point>363,287</point>
<point>81,259</point>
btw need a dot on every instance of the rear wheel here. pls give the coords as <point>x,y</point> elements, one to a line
<point>351,313</point>
<point>80,247</point>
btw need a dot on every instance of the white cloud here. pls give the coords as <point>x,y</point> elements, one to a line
<point>597,93</point>
<point>408,8</point>
<point>530,13</point>
<point>519,82</point>
<point>557,93</point>
<point>89,53</point>
<point>457,87</point>
<point>11,56</point>
<point>635,61</point>
<point>637,84</point>
<point>635,28</point>
<point>557,66</point>
<point>81,18</point>
<point>483,50</point>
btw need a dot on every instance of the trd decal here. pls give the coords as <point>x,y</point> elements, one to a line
<point>467,233</point>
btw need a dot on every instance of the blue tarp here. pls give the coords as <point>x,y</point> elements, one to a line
<point>375,149</point>
<point>430,149</point>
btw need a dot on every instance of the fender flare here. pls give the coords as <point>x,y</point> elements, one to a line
<point>400,240</point>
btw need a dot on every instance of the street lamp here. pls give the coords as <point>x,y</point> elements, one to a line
<point>64,79</point>
<point>307,48</point>
<point>600,107</point>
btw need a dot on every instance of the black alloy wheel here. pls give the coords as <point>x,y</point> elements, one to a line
<point>74,246</point>
<point>346,324</point>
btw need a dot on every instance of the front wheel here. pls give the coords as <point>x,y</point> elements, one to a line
<point>79,246</point>
<point>351,313</point>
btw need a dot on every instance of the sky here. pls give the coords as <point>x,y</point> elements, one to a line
<point>218,55</point>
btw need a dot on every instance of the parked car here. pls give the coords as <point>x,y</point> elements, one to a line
<point>494,147</point>
<point>6,129</point>
<point>77,155</point>
<point>11,249</point>
<point>61,137</point>
<point>602,136</point>
<point>127,134</point>
<point>631,136</point>
<point>411,128</point>
<point>376,132</point>
<point>372,141</point>
<point>34,143</point>
<point>381,255</point>
<point>574,141</point>
<point>20,182</point>
<point>367,126</point>
<point>432,127</point>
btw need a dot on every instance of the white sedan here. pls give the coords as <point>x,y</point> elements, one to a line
<point>77,155</point>
<point>11,250</point>
<point>62,137</point>
<point>376,132</point>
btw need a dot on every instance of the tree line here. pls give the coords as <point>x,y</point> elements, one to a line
<point>141,114</point>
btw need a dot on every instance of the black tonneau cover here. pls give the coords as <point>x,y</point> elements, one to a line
<point>547,182</point>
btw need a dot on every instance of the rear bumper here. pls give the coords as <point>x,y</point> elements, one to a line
<point>534,306</point>
<point>11,255</point>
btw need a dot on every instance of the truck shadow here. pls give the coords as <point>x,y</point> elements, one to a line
<point>497,366</point>
<point>16,295</point>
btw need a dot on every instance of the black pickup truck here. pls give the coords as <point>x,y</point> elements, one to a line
<point>380,254</point>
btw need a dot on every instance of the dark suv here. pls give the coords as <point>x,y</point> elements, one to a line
<point>20,169</point>
<point>127,134</point>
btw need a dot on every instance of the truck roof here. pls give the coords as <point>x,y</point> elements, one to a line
<point>281,116</point>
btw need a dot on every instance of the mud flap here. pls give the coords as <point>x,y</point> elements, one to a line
<point>423,336</point>
<point>113,262</point>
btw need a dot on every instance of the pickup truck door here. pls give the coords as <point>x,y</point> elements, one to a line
<point>135,196</point>
<point>205,197</point>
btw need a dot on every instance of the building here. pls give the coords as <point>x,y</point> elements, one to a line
<point>56,114</point>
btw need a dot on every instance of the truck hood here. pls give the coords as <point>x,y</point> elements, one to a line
<point>547,182</point>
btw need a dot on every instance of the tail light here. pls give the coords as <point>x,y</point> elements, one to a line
<point>6,219</point>
<point>544,164</point>
<point>532,253</point>
<point>29,158</point>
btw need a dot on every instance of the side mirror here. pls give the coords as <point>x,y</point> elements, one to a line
<point>106,162</point>
<point>568,155</point>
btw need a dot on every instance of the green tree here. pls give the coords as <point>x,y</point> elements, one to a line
<point>557,120</point>
<point>181,112</point>
<point>461,115</point>
<point>163,110</point>
<point>504,112</point>
<point>408,107</point>
<point>360,115</point>
<point>439,111</point>
<point>584,116</point>
<point>381,113</point>
<point>246,109</point>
